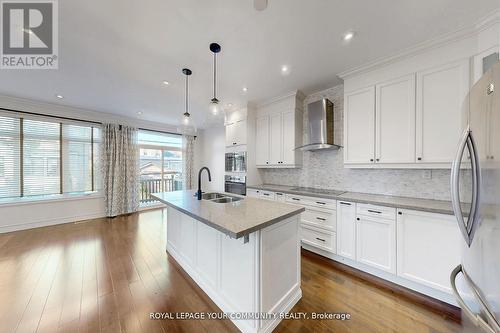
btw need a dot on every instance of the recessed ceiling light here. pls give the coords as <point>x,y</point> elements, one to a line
<point>245,89</point>
<point>60,96</point>
<point>139,113</point>
<point>284,69</point>
<point>166,83</point>
<point>229,104</point>
<point>348,36</point>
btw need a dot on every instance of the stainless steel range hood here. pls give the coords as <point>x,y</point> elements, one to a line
<point>320,126</point>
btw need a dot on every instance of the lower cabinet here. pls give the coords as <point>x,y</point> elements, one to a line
<point>418,249</point>
<point>376,242</point>
<point>317,237</point>
<point>346,229</point>
<point>428,248</point>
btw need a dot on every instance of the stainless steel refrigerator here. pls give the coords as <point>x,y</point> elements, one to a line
<point>476,281</point>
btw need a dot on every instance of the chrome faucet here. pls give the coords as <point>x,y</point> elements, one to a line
<point>198,193</point>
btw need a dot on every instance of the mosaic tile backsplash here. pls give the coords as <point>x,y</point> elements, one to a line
<point>324,169</point>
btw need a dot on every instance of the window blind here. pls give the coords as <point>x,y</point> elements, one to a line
<point>77,158</point>
<point>10,152</point>
<point>41,157</point>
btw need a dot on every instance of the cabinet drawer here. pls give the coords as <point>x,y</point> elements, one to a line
<point>320,239</point>
<point>376,211</point>
<point>268,195</point>
<point>320,219</point>
<point>312,201</point>
<point>251,192</point>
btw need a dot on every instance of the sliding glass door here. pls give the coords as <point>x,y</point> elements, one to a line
<point>160,164</point>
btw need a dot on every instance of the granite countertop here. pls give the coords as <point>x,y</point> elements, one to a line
<point>427,205</point>
<point>236,219</point>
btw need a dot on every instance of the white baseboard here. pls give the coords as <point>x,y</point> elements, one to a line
<point>49,222</point>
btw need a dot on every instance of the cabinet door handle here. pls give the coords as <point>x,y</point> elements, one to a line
<point>296,199</point>
<point>345,203</point>
<point>277,193</point>
<point>419,158</point>
<point>357,218</point>
<point>371,159</point>
<point>374,211</point>
<point>378,159</point>
<point>320,218</point>
<point>266,194</point>
<point>321,239</point>
<point>400,213</point>
<point>320,203</point>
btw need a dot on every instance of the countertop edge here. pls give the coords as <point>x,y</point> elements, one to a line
<point>229,232</point>
<point>343,198</point>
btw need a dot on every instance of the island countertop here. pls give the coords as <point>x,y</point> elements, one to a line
<point>236,219</point>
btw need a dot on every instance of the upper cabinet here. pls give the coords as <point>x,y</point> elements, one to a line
<point>359,126</point>
<point>395,121</point>
<point>441,111</point>
<point>236,133</point>
<point>410,121</point>
<point>279,132</point>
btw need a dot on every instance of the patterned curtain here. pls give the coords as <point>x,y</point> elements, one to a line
<point>120,169</point>
<point>188,157</point>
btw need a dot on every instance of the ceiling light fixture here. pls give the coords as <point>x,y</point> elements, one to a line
<point>229,105</point>
<point>166,83</point>
<point>60,96</point>
<point>285,70</point>
<point>245,89</point>
<point>348,36</point>
<point>186,126</point>
<point>139,113</point>
<point>214,102</point>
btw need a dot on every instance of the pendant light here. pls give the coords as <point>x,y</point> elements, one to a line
<point>186,127</point>
<point>215,105</point>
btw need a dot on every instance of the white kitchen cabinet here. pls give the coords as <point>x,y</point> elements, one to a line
<point>376,242</point>
<point>428,248</point>
<point>441,111</point>
<point>359,126</point>
<point>236,133</point>
<point>288,138</point>
<point>262,141</point>
<point>346,229</point>
<point>276,139</point>
<point>279,196</point>
<point>278,133</point>
<point>395,121</point>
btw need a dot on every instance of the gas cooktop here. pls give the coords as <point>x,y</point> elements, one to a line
<point>317,190</point>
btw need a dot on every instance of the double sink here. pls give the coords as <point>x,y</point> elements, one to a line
<point>219,197</point>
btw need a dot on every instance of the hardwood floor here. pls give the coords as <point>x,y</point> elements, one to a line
<point>107,275</point>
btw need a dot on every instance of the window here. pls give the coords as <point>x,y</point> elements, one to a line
<point>160,164</point>
<point>40,157</point>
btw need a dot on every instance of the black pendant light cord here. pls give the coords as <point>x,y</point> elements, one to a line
<point>187,95</point>
<point>215,75</point>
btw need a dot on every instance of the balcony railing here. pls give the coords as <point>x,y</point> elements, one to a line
<point>149,186</point>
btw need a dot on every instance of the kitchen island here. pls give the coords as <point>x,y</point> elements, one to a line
<point>244,254</point>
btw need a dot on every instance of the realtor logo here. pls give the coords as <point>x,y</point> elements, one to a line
<point>29,35</point>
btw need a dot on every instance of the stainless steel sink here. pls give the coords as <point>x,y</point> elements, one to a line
<point>226,199</point>
<point>211,196</point>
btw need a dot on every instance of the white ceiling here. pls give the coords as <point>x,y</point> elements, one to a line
<point>114,54</point>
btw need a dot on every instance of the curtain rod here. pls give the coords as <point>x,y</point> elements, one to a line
<point>75,119</point>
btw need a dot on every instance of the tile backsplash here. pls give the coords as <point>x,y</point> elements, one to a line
<point>325,169</point>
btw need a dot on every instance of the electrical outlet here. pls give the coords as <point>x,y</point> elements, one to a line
<point>427,174</point>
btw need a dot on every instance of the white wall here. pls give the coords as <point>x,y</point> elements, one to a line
<point>28,215</point>
<point>209,151</point>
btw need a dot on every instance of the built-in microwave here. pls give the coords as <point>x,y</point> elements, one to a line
<point>236,161</point>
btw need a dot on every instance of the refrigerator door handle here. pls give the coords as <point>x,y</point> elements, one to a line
<point>473,219</point>
<point>476,319</point>
<point>455,191</point>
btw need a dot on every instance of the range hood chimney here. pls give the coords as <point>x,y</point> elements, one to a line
<point>320,127</point>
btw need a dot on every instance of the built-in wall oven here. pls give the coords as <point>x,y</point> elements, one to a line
<point>235,184</point>
<point>236,161</point>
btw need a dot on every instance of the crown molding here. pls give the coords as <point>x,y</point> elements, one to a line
<point>294,93</point>
<point>464,32</point>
